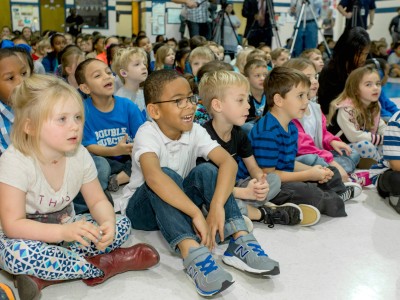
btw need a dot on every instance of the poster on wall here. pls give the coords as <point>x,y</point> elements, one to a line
<point>25,16</point>
<point>158,18</point>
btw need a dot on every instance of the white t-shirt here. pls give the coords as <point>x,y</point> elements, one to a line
<point>180,156</point>
<point>24,173</point>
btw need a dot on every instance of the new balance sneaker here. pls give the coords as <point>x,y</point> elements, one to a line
<point>353,190</point>
<point>208,277</point>
<point>246,254</point>
<point>285,214</point>
<point>394,202</point>
<point>311,215</point>
<point>6,292</point>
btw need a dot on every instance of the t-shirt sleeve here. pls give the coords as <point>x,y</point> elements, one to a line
<point>90,171</point>
<point>147,140</point>
<point>245,149</point>
<point>14,169</point>
<point>391,139</point>
<point>204,142</point>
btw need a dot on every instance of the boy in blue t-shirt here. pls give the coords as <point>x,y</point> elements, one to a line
<point>111,122</point>
<point>274,140</point>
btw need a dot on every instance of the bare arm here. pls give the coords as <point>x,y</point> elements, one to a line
<point>15,225</point>
<point>122,148</point>
<point>188,3</point>
<point>395,165</point>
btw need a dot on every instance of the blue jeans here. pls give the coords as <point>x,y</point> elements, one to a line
<point>147,211</point>
<point>307,37</point>
<point>202,29</point>
<point>103,172</point>
<point>348,162</point>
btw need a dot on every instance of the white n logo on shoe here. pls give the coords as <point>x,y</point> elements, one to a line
<point>192,272</point>
<point>241,251</point>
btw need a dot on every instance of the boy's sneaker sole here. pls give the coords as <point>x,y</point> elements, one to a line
<point>224,286</point>
<point>235,262</point>
<point>311,215</point>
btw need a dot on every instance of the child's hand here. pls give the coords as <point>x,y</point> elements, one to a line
<point>203,231</point>
<point>317,173</point>
<point>81,231</point>
<point>123,148</point>
<point>257,189</point>
<point>340,146</point>
<point>216,221</point>
<point>107,235</point>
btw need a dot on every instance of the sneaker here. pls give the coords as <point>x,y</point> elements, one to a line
<point>113,185</point>
<point>311,215</point>
<point>6,293</point>
<point>394,202</point>
<point>353,190</point>
<point>208,277</point>
<point>249,223</point>
<point>285,214</point>
<point>246,254</point>
<point>361,177</point>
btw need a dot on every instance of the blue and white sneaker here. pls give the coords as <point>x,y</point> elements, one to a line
<point>208,277</point>
<point>246,254</point>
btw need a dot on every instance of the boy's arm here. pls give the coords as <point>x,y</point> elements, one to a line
<point>252,167</point>
<point>394,165</point>
<point>301,173</point>
<point>224,187</point>
<point>162,185</point>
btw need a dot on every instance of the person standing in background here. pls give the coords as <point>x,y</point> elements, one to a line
<point>364,8</point>
<point>307,35</point>
<point>394,27</point>
<point>74,22</point>
<point>258,27</point>
<point>328,24</point>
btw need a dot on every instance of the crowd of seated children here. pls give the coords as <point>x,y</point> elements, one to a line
<point>316,145</point>
<point>167,190</point>
<point>321,187</point>
<point>224,93</point>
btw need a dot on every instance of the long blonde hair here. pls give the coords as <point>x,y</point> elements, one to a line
<point>364,115</point>
<point>33,102</point>
<point>161,54</point>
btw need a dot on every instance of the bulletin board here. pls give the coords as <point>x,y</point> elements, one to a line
<point>25,16</point>
<point>173,15</point>
<point>158,18</point>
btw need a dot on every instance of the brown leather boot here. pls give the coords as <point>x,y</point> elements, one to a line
<point>29,287</point>
<point>135,258</point>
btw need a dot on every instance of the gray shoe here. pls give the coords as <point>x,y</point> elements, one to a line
<point>246,254</point>
<point>208,277</point>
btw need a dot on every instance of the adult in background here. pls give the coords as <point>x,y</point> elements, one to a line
<point>307,35</point>
<point>258,27</point>
<point>349,53</point>
<point>394,27</point>
<point>74,22</point>
<point>364,8</point>
<point>197,17</point>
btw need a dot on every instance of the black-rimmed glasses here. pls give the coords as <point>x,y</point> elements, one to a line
<point>181,102</point>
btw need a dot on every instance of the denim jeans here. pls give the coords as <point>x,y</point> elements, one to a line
<point>103,172</point>
<point>307,37</point>
<point>147,211</point>
<point>348,162</point>
<point>202,29</point>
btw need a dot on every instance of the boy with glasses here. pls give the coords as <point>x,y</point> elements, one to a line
<point>167,191</point>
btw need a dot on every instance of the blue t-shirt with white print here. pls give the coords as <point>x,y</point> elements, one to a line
<point>108,128</point>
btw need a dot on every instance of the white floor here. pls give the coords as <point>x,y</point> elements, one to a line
<point>355,258</point>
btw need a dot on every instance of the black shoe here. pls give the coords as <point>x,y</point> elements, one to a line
<point>394,202</point>
<point>113,183</point>
<point>286,214</point>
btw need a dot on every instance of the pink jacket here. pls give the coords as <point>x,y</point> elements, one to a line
<point>322,145</point>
